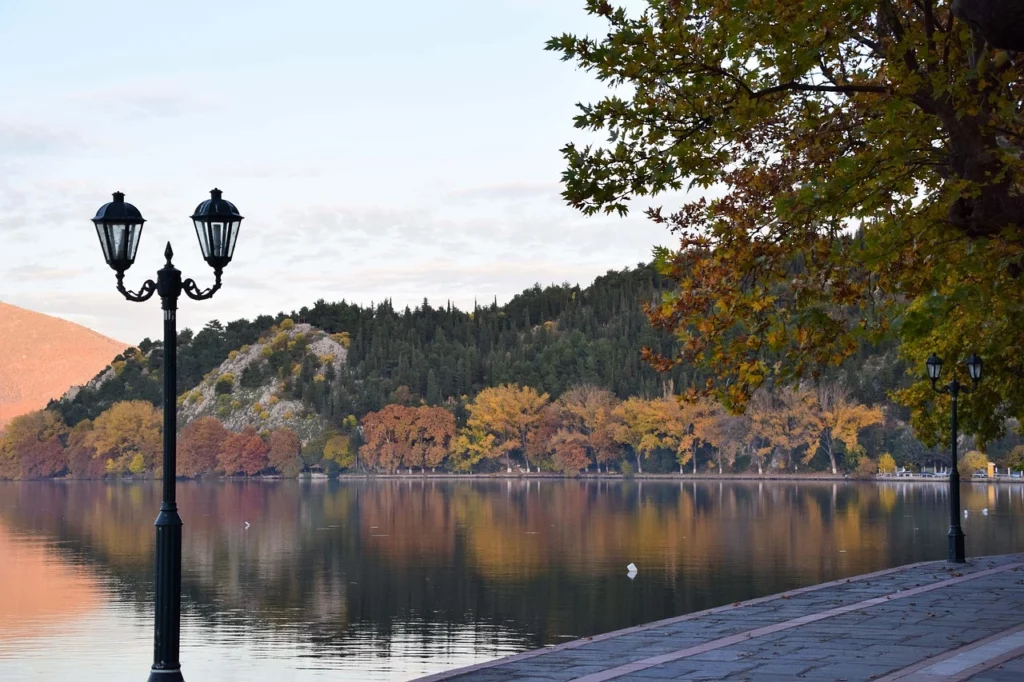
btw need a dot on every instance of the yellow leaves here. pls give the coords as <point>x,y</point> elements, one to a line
<point>886,464</point>
<point>126,432</point>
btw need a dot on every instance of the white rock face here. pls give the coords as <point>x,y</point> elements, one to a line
<point>262,407</point>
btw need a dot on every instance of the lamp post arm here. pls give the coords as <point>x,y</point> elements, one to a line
<point>193,291</point>
<point>143,294</point>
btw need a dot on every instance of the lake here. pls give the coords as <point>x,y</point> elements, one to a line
<point>393,579</point>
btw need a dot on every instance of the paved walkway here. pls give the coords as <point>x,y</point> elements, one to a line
<point>923,622</point>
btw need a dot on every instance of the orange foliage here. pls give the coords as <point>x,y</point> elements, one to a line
<point>199,444</point>
<point>243,453</point>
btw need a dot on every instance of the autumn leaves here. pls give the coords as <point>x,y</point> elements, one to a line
<point>512,427</point>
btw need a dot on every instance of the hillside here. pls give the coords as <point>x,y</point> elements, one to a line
<point>258,385</point>
<point>550,338</point>
<point>41,357</point>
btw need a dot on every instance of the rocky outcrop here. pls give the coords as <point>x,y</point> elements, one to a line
<point>277,360</point>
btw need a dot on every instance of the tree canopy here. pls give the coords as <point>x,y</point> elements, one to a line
<point>857,173</point>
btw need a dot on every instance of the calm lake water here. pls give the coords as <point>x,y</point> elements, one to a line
<point>390,580</point>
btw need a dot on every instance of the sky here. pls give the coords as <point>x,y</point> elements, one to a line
<point>401,150</point>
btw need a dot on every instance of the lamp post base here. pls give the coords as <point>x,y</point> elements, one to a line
<point>166,676</point>
<point>957,555</point>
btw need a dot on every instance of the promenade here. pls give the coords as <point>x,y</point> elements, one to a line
<point>923,622</point>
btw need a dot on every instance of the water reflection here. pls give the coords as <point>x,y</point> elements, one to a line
<point>393,579</point>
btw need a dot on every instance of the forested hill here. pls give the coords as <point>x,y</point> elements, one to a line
<point>549,338</point>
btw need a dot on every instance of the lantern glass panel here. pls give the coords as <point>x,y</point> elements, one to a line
<point>235,225</point>
<point>204,240</point>
<point>974,366</point>
<point>101,232</point>
<point>934,365</point>
<point>134,235</point>
<point>218,239</point>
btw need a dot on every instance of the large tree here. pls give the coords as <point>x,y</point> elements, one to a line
<point>858,171</point>
<point>199,445</point>
<point>128,437</point>
<point>30,446</point>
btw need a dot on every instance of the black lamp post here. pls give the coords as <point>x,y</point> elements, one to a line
<point>119,227</point>
<point>953,388</point>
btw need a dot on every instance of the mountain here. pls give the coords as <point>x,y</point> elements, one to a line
<point>41,357</point>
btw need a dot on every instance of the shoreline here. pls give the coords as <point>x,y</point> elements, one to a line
<point>550,476</point>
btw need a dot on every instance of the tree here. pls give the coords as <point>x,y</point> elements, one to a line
<point>727,433</point>
<point>284,452</point>
<point>866,164</point>
<point>30,446</point>
<point>243,453</point>
<point>386,437</point>
<point>843,420</point>
<point>503,417</point>
<point>82,459</point>
<point>128,437</point>
<point>199,445</point>
<point>431,436</point>
<point>340,451</point>
<point>973,461</point>
<point>886,464</point>
<point>570,452</point>
<point>642,427</point>
<point>590,411</point>
<point>784,422</point>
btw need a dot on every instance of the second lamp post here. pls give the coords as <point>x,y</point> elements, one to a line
<point>954,388</point>
<point>119,228</point>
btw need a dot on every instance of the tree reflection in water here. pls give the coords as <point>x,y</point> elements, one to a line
<point>527,562</point>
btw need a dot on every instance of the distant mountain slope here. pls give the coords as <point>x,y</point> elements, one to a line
<point>41,357</point>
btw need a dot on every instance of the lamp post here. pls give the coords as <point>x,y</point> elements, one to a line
<point>119,228</point>
<point>954,388</point>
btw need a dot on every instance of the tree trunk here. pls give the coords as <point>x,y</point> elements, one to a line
<point>639,467</point>
<point>719,462</point>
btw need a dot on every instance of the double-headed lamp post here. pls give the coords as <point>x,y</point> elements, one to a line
<point>954,388</point>
<point>119,227</point>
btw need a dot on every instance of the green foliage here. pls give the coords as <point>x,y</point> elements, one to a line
<point>791,123</point>
<point>225,384</point>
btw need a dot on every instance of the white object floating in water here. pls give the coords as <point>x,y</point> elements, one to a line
<point>631,569</point>
<point>984,512</point>
<point>965,512</point>
<point>246,524</point>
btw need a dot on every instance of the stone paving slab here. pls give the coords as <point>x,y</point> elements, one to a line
<point>929,621</point>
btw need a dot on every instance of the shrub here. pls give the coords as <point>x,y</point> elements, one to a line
<point>866,468</point>
<point>232,355</point>
<point>627,469</point>
<point>973,461</point>
<point>1015,460</point>
<point>287,323</point>
<point>225,384</point>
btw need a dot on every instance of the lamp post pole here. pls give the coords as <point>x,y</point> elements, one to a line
<point>119,227</point>
<point>956,552</point>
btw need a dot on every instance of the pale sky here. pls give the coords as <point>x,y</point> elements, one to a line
<point>399,150</point>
